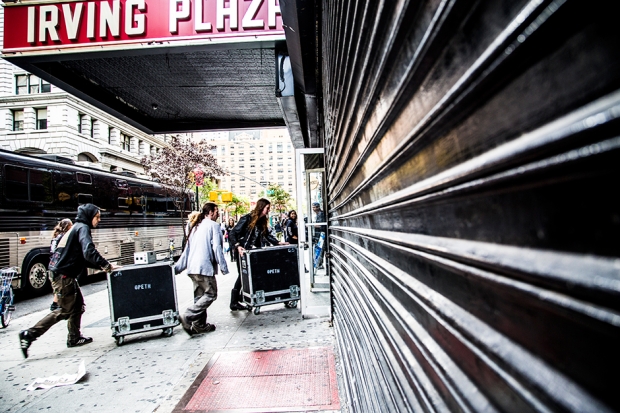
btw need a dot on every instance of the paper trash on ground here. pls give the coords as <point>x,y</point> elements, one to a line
<point>53,381</point>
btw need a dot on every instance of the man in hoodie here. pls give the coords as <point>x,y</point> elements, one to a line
<point>78,253</point>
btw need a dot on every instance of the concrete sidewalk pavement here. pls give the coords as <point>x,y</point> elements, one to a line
<point>153,373</point>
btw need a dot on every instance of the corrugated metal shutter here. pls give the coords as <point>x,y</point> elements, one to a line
<point>473,164</point>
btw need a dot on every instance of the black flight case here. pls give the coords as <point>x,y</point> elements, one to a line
<point>142,298</point>
<point>269,276</point>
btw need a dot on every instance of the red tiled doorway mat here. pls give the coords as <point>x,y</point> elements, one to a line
<point>265,381</point>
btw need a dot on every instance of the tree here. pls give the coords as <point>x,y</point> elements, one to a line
<point>238,207</point>
<point>278,197</point>
<point>174,168</point>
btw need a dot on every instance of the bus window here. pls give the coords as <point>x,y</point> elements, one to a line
<point>16,182</point>
<point>170,204</point>
<point>85,199</point>
<point>41,186</point>
<point>121,184</point>
<point>123,202</point>
<point>84,178</point>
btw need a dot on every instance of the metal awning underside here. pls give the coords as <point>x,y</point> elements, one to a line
<point>172,90</point>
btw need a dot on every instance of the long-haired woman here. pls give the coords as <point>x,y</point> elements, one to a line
<point>252,231</point>
<point>59,231</point>
<point>229,226</point>
<point>290,228</point>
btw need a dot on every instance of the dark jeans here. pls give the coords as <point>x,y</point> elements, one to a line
<point>72,307</point>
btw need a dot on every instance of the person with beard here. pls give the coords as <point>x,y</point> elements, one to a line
<point>201,257</point>
<point>78,253</point>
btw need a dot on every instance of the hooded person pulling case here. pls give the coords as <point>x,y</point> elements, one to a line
<point>78,253</point>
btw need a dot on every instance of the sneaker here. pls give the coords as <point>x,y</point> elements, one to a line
<point>199,329</point>
<point>186,326</point>
<point>79,342</point>
<point>54,306</point>
<point>24,342</point>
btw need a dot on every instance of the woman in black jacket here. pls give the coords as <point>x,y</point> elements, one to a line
<point>229,227</point>
<point>290,228</point>
<point>252,231</point>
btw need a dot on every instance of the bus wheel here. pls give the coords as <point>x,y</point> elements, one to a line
<point>37,280</point>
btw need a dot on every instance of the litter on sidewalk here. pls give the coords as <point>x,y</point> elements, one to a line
<point>54,381</point>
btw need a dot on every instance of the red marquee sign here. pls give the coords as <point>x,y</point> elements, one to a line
<point>42,26</point>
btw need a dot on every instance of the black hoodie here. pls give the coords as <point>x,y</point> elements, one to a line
<point>80,252</point>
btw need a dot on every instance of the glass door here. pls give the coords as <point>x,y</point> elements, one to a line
<point>312,225</point>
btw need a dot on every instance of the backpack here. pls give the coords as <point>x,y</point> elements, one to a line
<point>60,247</point>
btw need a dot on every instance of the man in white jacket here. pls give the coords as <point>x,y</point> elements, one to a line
<point>201,257</point>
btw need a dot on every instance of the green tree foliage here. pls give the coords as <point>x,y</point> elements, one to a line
<point>203,191</point>
<point>278,197</point>
<point>239,206</point>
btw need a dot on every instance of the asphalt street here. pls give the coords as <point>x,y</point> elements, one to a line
<point>150,372</point>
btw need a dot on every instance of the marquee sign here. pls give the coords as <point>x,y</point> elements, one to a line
<point>44,26</point>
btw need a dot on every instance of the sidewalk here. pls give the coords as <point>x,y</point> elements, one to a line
<point>153,373</point>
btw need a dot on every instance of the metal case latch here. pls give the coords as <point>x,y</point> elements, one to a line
<point>294,291</point>
<point>260,296</point>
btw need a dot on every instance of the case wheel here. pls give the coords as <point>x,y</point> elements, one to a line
<point>167,331</point>
<point>291,304</point>
<point>256,310</point>
<point>119,340</point>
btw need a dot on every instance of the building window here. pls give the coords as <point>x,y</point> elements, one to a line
<point>109,134</point>
<point>25,84</point>
<point>80,119</point>
<point>21,84</point>
<point>41,118</point>
<point>125,142</point>
<point>45,87</point>
<point>92,127</point>
<point>141,147</point>
<point>18,120</point>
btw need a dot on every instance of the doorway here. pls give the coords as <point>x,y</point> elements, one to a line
<point>313,234</point>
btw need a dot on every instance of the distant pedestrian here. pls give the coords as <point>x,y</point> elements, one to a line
<point>229,226</point>
<point>252,231</point>
<point>59,231</point>
<point>290,229</point>
<point>201,256</point>
<point>319,216</point>
<point>78,253</point>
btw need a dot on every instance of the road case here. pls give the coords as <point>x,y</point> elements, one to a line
<point>142,298</point>
<point>270,276</point>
